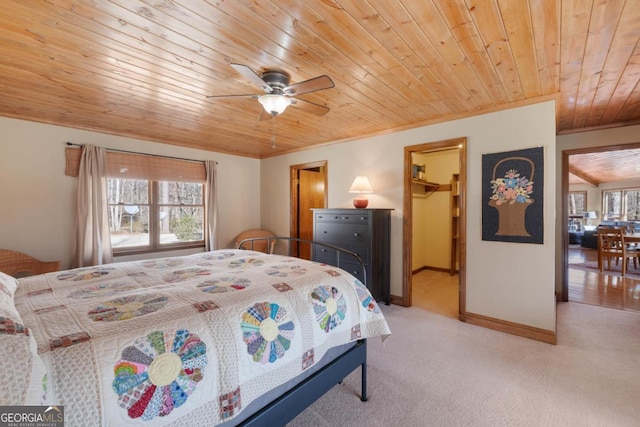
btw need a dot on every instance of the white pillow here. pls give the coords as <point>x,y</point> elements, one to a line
<point>23,380</point>
<point>8,311</point>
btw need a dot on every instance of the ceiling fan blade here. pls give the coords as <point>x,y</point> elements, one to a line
<point>311,85</point>
<point>247,95</point>
<point>310,107</point>
<point>250,75</point>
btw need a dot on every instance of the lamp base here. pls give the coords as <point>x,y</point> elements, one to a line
<point>360,203</point>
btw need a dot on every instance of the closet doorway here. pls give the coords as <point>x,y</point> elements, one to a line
<point>434,223</point>
<point>308,191</point>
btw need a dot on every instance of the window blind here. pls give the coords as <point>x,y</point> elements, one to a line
<point>141,166</point>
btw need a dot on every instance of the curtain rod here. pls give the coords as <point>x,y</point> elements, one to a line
<point>71,144</point>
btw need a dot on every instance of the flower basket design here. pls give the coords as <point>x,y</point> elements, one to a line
<point>511,195</point>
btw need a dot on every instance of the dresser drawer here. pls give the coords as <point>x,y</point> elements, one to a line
<point>324,255</point>
<point>331,217</point>
<point>353,268</point>
<point>353,234</point>
<point>355,218</point>
<point>330,256</point>
<point>361,251</point>
<point>342,217</point>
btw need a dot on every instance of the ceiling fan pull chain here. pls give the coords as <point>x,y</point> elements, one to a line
<point>273,132</point>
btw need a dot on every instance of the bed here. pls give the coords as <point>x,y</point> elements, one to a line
<point>228,337</point>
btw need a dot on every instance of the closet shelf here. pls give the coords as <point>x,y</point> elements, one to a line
<point>429,187</point>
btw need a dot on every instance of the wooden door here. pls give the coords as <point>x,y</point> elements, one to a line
<point>311,195</point>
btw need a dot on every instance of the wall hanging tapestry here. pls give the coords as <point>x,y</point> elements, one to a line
<point>512,196</point>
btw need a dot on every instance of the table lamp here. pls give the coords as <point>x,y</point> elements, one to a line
<point>589,216</point>
<point>361,186</point>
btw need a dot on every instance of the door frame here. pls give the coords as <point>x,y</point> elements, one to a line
<point>564,226</point>
<point>407,223</point>
<point>295,195</point>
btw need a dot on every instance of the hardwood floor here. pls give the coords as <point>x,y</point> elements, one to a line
<point>608,289</point>
<point>436,291</point>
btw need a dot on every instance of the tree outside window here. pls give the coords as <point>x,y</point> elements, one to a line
<point>632,204</point>
<point>150,215</point>
<point>611,204</point>
<point>577,202</point>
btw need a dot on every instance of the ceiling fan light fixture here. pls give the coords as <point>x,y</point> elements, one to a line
<point>274,104</point>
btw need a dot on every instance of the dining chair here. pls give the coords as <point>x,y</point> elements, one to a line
<point>611,245</point>
<point>631,244</point>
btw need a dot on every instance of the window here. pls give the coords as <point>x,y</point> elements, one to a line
<point>632,204</point>
<point>181,212</point>
<point>621,204</point>
<point>611,204</point>
<point>577,203</point>
<point>154,202</point>
<point>151,215</point>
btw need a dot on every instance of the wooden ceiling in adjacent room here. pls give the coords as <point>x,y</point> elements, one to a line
<point>609,164</point>
<point>144,68</point>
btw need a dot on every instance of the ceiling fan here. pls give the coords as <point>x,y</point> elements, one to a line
<point>279,93</point>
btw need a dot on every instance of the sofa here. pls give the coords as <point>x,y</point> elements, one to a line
<point>590,239</point>
<point>575,237</point>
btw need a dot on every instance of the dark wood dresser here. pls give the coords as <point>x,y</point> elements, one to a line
<point>363,231</point>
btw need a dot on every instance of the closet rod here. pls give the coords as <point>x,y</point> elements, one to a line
<point>71,144</point>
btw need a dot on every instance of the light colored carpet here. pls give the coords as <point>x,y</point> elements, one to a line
<point>438,371</point>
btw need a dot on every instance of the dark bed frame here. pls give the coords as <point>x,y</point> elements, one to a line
<point>289,405</point>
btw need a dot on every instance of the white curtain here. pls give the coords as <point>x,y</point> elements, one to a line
<point>93,243</point>
<point>211,203</point>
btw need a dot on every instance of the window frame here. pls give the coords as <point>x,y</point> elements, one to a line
<point>154,223</point>
<point>582,194</point>
<point>622,214</point>
<point>625,194</point>
<point>604,205</point>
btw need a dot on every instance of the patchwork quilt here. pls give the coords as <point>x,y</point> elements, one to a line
<point>184,340</point>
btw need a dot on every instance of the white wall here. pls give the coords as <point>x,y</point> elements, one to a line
<point>37,200</point>
<point>594,197</point>
<point>507,281</point>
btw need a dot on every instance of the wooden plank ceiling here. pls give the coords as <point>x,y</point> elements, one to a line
<point>609,164</point>
<point>144,68</point>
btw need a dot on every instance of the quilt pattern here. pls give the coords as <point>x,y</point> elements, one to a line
<point>211,331</point>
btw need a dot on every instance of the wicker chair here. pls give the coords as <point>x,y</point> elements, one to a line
<point>18,265</point>
<point>260,245</point>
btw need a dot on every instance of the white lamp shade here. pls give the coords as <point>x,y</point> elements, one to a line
<point>361,185</point>
<point>590,215</point>
<point>274,104</point>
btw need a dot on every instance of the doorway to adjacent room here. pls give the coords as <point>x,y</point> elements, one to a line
<point>308,191</point>
<point>589,170</point>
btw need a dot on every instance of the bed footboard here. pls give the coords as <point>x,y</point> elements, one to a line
<point>288,406</point>
<point>272,240</point>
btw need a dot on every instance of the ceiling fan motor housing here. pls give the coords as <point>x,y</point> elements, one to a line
<point>276,81</point>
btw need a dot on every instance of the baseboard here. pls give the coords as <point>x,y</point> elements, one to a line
<point>518,329</point>
<point>426,267</point>
<point>418,270</point>
<point>394,299</point>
